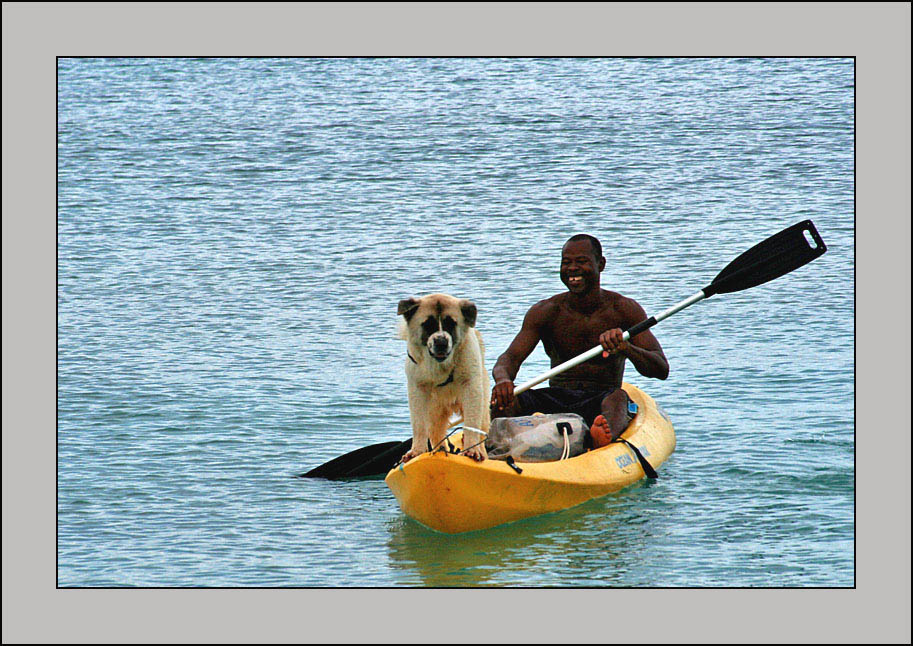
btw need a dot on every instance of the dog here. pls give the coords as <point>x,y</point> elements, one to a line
<point>445,371</point>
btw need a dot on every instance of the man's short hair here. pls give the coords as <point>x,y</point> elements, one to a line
<point>594,243</point>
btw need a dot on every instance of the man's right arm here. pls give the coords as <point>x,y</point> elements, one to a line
<point>508,364</point>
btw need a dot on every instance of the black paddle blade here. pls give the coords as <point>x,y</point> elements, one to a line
<point>778,255</point>
<point>373,460</point>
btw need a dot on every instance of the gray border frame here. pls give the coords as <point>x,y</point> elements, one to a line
<point>877,34</point>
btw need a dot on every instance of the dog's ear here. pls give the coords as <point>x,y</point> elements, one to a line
<point>468,308</point>
<point>407,307</point>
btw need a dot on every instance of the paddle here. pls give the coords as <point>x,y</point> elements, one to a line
<point>779,254</point>
<point>366,461</point>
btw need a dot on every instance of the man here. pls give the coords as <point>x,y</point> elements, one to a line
<point>569,324</point>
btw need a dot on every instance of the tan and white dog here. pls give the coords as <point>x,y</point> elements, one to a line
<point>445,370</point>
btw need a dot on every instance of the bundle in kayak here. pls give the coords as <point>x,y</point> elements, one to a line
<point>537,438</point>
<point>452,493</point>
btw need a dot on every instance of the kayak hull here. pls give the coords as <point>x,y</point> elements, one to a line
<point>453,493</point>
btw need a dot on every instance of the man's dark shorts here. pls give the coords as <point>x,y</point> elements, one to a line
<point>586,403</point>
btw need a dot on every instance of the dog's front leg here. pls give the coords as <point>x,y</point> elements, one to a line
<point>476,415</point>
<point>419,418</point>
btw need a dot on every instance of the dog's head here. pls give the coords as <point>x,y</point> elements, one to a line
<point>437,322</point>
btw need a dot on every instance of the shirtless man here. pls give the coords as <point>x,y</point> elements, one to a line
<point>569,324</point>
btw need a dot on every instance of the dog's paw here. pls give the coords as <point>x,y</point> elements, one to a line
<point>412,453</point>
<point>477,453</point>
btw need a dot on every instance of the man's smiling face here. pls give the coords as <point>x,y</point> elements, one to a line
<point>580,267</point>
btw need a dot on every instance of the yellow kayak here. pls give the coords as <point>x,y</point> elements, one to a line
<point>452,493</point>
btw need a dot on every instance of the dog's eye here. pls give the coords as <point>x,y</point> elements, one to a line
<point>430,326</point>
<point>449,325</point>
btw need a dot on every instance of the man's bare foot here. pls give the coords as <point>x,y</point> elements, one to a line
<point>600,432</point>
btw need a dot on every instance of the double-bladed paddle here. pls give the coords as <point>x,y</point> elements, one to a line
<point>779,254</point>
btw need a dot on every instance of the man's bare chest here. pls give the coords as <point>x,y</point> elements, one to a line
<point>572,332</point>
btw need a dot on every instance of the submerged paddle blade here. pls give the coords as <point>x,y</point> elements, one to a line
<point>368,460</point>
<point>780,254</point>
<point>380,464</point>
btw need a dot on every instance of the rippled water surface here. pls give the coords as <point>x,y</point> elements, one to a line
<point>233,238</point>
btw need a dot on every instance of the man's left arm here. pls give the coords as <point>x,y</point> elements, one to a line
<point>643,350</point>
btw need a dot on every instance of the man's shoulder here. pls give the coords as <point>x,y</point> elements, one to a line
<point>545,309</point>
<point>614,299</point>
<point>552,301</point>
<point>623,306</point>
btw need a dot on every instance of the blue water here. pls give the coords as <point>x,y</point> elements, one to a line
<point>234,236</point>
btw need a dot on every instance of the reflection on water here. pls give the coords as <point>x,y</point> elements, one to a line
<point>591,544</point>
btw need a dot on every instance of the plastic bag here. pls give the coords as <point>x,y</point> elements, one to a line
<point>537,438</point>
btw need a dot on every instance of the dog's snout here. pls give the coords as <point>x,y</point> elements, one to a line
<point>440,341</point>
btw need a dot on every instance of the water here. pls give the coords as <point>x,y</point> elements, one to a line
<point>234,236</point>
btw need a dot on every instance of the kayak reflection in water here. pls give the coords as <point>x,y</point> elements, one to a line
<point>569,324</point>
